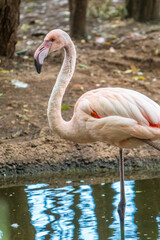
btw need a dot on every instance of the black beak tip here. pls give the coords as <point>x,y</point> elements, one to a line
<point>38,66</point>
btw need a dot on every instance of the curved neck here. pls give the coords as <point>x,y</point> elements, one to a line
<point>55,119</point>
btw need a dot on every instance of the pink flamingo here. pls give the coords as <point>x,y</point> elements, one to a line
<point>118,116</point>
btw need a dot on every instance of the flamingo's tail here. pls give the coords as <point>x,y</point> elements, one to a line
<point>153,144</point>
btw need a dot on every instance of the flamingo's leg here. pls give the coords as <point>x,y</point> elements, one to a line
<point>122,203</point>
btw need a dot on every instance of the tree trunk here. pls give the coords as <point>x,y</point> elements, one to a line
<point>9,21</point>
<point>143,10</point>
<point>78,10</point>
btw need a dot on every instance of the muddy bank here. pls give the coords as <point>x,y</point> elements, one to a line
<point>50,153</point>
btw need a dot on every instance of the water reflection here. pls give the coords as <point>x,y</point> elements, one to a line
<point>55,212</point>
<point>130,226</point>
<point>87,220</point>
<point>82,212</point>
<point>51,211</point>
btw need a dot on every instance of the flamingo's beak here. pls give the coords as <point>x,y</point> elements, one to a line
<point>40,54</point>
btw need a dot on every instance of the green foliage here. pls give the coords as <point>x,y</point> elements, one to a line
<point>83,66</point>
<point>21,51</point>
<point>28,10</point>
<point>98,9</point>
<point>104,10</point>
<point>65,107</point>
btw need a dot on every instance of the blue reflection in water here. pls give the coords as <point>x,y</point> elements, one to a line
<point>158,221</point>
<point>83,212</point>
<point>52,212</point>
<point>130,226</point>
<point>69,212</point>
<point>87,221</point>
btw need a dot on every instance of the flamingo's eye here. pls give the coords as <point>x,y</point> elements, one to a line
<point>52,40</point>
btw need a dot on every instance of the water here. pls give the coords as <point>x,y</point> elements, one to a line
<point>79,210</point>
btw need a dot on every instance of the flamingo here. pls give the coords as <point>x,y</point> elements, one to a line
<point>118,116</point>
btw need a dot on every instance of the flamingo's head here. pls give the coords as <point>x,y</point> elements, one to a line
<point>53,41</point>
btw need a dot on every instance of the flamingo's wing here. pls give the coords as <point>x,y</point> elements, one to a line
<point>125,103</point>
<point>118,114</point>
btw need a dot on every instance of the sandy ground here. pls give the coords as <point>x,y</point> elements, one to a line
<point>118,53</point>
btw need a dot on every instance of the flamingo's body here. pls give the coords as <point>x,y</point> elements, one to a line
<point>117,116</point>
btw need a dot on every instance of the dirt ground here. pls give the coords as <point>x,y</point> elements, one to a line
<point>118,54</point>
